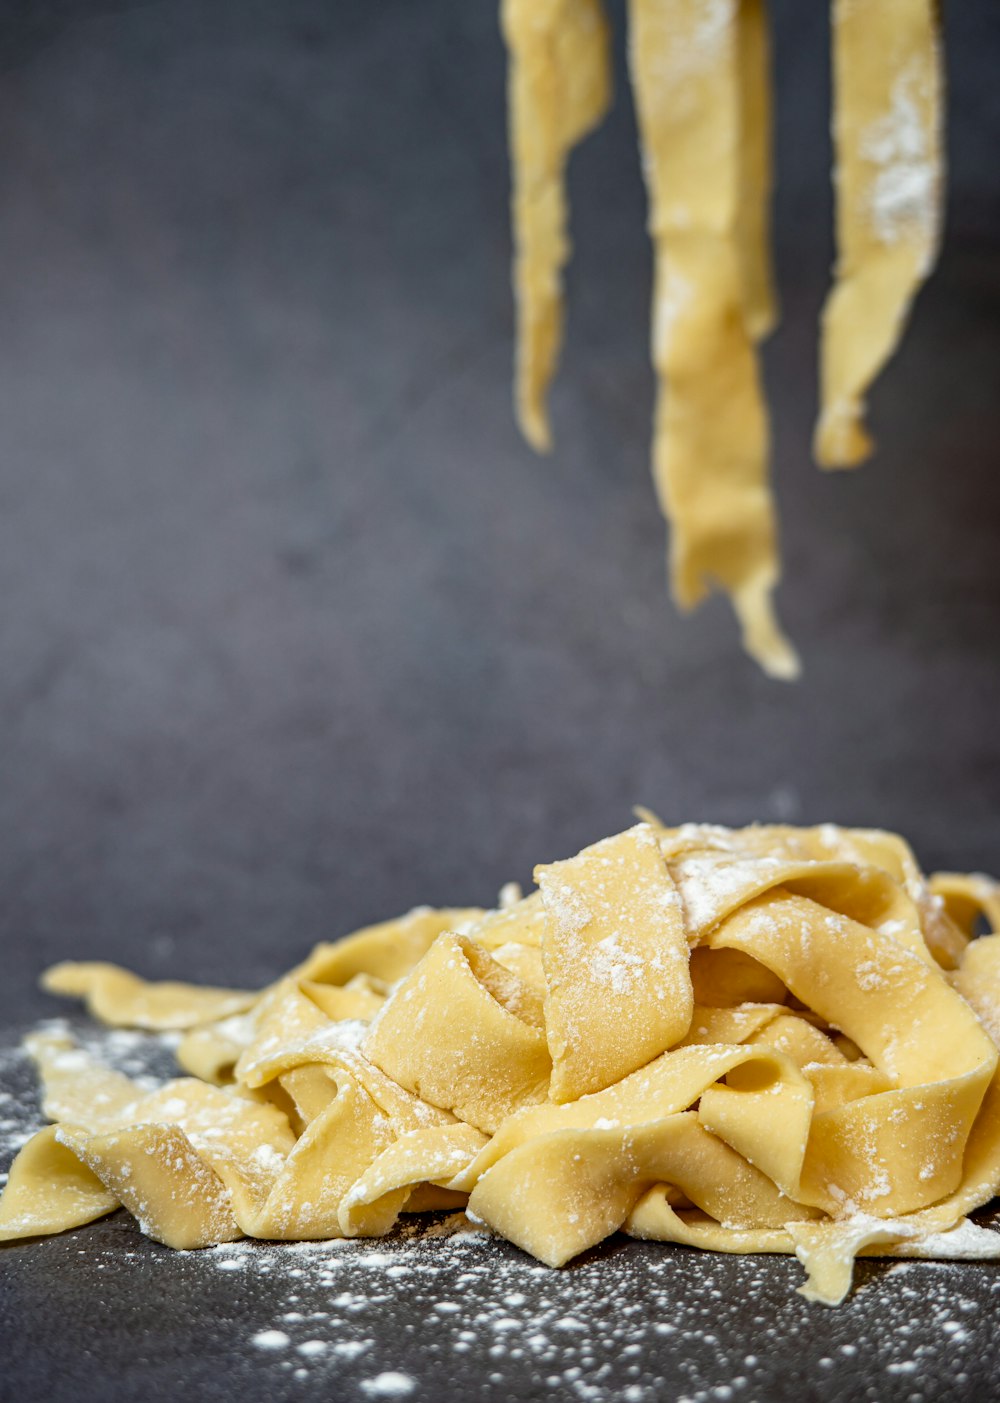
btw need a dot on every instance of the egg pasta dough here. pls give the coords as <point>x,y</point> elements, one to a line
<point>759,1040</point>
<point>701,81</point>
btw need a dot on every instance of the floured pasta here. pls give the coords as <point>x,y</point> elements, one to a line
<point>559,89</point>
<point>889,163</point>
<point>760,1040</point>
<point>711,302</point>
<point>701,80</point>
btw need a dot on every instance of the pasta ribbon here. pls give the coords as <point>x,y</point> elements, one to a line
<point>560,89</point>
<point>614,944</point>
<point>753,42</point>
<point>123,1000</point>
<point>694,71</point>
<point>457,988</point>
<point>888,177</point>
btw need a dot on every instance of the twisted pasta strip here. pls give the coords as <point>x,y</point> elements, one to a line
<point>696,75</point>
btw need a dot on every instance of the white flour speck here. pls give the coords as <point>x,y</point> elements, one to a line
<point>388,1385</point>
<point>271,1339</point>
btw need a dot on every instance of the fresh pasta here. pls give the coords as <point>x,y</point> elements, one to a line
<point>711,303</point>
<point>701,81</point>
<point>887,119</point>
<point>770,1039</point>
<point>560,88</point>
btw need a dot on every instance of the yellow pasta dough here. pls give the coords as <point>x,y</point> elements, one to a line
<point>887,118</point>
<point>702,86</point>
<point>710,453</point>
<point>770,1039</point>
<point>560,87</point>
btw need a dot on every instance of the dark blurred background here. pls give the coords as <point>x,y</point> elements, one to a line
<point>294,631</point>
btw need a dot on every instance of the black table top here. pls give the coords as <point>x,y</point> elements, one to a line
<point>295,632</point>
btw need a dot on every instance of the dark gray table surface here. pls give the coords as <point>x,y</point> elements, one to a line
<point>296,633</point>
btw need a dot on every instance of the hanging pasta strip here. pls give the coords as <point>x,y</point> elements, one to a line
<point>559,90</point>
<point>756,167</point>
<point>711,436</point>
<point>888,177</point>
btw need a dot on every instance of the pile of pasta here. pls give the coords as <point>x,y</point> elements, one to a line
<point>701,79</point>
<point>760,1040</point>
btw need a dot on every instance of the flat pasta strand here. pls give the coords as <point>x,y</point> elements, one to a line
<point>711,442</point>
<point>888,179</point>
<point>123,1000</point>
<point>615,958</point>
<point>756,167</point>
<point>560,89</point>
